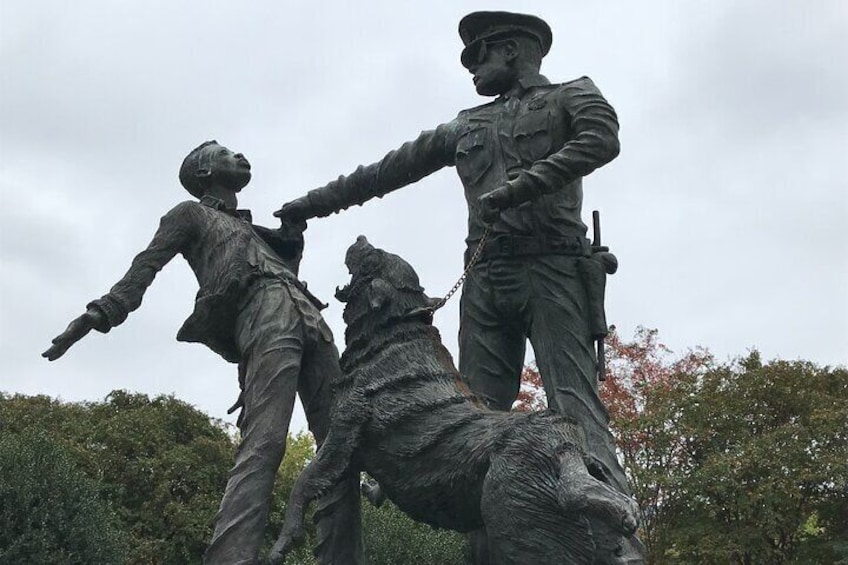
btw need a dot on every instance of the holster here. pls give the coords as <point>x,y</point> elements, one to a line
<point>593,271</point>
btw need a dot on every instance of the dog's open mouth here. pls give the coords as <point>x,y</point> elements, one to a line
<point>360,262</point>
<point>343,293</point>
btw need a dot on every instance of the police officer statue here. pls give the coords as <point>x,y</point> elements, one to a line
<point>521,159</point>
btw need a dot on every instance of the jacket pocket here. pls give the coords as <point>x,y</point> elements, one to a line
<point>473,156</point>
<point>532,135</point>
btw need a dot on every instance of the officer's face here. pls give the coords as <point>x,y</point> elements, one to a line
<point>493,73</point>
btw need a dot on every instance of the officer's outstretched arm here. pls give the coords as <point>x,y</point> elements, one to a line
<point>411,162</point>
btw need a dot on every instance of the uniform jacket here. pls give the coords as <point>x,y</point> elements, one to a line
<point>227,254</point>
<point>539,141</point>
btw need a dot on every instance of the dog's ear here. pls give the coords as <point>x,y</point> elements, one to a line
<point>433,302</point>
<point>425,312</point>
<point>379,292</point>
<point>422,313</point>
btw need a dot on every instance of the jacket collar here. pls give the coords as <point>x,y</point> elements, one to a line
<point>218,204</point>
<point>525,84</point>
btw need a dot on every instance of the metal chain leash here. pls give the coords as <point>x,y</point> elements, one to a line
<point>471,262</point>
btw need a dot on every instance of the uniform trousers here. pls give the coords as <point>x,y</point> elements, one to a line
<point>505,302</point>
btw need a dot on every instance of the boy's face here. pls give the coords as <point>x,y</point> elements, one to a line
<point>229,169</point>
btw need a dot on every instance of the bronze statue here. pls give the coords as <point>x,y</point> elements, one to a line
<point>521,159</point>
<point>403,413</point>
<point>252,310</point>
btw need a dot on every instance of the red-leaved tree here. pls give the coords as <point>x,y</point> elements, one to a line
<point>641,392</point>
<point>531,394</point>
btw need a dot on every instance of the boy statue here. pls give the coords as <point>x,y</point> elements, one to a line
<point>252,310</point>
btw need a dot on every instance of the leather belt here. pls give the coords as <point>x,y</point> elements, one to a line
<point>508,245</point>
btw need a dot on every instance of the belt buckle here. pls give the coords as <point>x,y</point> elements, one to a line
<point>506,245</point>
<point>525,246</point>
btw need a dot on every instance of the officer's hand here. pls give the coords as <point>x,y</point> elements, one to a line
<point>295,211</point>
<point>491,204</point>
<point>75,331</point>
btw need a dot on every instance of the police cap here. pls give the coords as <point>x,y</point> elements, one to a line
<point>477,28</point>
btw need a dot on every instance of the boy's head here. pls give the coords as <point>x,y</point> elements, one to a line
<point>211,163</point>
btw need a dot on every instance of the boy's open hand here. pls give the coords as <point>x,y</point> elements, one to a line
<point>292,229</point>
<point>75,331</point>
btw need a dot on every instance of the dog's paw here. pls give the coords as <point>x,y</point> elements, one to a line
<point>373,492</point>
<point>583,493</point>
<point>290,537</point>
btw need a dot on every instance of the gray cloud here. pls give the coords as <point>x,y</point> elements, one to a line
<point>724,207</point>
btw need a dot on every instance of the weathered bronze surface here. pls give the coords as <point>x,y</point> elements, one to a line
<point>252,310</point>
<point>404,414</point>
<point>521,159</point>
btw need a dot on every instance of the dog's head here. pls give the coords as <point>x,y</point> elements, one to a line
<point>383,289</point>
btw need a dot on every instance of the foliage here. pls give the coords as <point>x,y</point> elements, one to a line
<point>162,466</point>
<point>643,392</point>
<point>300,449</point>
<point>741,462</point>
<point>531,393</point>
<point>767,470</point>
<point>390,537</point>
<point>160,463</point>
<point>393,538</point>
<point>50,512</point>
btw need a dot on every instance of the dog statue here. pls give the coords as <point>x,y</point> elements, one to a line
<point>403,414</point>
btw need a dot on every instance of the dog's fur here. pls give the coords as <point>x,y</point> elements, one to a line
<point>403,414</point>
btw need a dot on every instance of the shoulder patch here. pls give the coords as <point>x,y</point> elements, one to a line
<point>582,80</point>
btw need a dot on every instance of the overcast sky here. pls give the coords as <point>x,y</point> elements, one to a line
<point>726,208</point>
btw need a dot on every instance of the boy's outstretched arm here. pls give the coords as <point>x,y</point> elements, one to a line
<point>112,309</point>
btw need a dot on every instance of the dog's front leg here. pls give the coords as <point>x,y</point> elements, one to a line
<point>331,463</point>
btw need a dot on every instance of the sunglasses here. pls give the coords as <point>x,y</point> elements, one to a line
<point>475,54</point>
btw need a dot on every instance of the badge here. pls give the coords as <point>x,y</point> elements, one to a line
<point>537,103</point>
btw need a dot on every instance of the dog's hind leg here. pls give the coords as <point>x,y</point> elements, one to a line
<point>524,520</point>
<point>580,491</point>
<point>611,514</point>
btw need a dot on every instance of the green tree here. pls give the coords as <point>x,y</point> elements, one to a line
<point>50,512</point>
<point>160,463</point>
<point>157,469</point>
<point>767,474</point>
<point>645,392</point>
<point>393,538</point>
<point>743,462</point>
<point>390,537</point>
